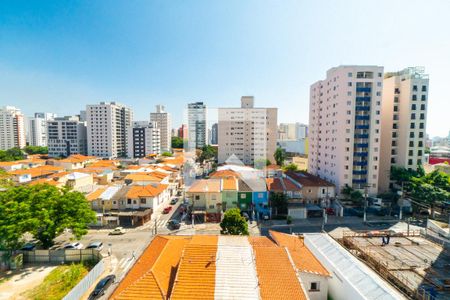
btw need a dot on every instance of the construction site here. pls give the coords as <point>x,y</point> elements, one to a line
<point>415,265</point>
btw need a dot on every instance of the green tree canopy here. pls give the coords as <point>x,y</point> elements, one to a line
<point>35,150</point>
<point>11,154</point>
<point>260,163</point>
<point>291,167</point>
<point>279,203</point>
<point>233,223</point>
<point>177,142</point>
<point>167,154</point>
<point>280,156</point>
<point>208,152</point>
<point>44,211</point>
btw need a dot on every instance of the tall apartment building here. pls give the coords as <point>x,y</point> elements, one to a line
<point>292,131</point>
<point>197,132</point>
<point>144,138</point>
<point>182,132</point>
<point>36,129</point>
<point>12,128</point>
<point>247,132</point>
<point>215,134</point>
<point>404,118</point>
<point>108,125</point>
<point>66,136</point>
<point>344,127</point>
<point>164,123</point>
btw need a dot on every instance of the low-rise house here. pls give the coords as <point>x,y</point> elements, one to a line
<point>205,198</point>
<point>11,165</point>
<point>312,273</point>
<point>314,190</point>
<point>27,175</point>
<point>78,181</point>
<point>229,192</point>
<point>147,196</point>
<point>75,161</point>
<point>260,196</point>
<point>146,178</point>
<point>244,195</point>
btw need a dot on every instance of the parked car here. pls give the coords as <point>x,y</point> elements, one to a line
<point>167,210</point>
<point>330,211</point>
<point>28,247</point>
<point>76,245</point>
<point>117,231</point>
<point>174,201</point>
<point>102,286</point>
<point>95,245</point>
<point>173,224</point>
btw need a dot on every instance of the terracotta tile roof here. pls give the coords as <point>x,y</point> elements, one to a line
<point>277,277</point>
<point>95,194</point>
<point>306,179</point>
<point>223,173</point>
<point>229,183</point>
<point>197,270</point>
<point>205,186</point>
<point>10,163</point>
<point>260,241</point>
<point>273,167</point>
<point>77,158</point>
<point>44,181</point>
<point>137,191</point>
<point>303,258</point>
<point>112,164</point>
<point>142,177</point>
<point>37,172</point>
<point>290,186</point>
<point>274,185</point>
<point>152,276</point>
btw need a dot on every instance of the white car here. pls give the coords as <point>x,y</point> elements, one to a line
<point>117,231</point>
<point>76,245</point>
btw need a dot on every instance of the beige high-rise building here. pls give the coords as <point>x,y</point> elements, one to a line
<point>12,128</point>
<point>248,132</point>
<point>66,136</point>
<point>36,129</point>
<point>404,117</point>
<point>344,127</point>
<point>164,123</point>
<point>108,126</point>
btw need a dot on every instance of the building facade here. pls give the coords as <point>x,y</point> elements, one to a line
<point>36,131</point>
<point>164,122</point>
<point>66,136</point>
<point>292,131</point>
<point>197,131</point>
<point>344,127</point>
<point>12,128</point>
<point>108,125</point>
<point>247,132</point>
<point>215,134</point>
<point>404,118</point>
<point>182,132</point>
<point>144,139</point>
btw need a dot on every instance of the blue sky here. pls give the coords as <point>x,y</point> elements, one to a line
<point>58,56</point>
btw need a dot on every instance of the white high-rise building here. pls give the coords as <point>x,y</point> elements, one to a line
<point>345,127</point>
<point>144,138</point>
<point>66,136</point>
<point>292,131</point>
<point>247,132</point>
<point>197,132</point>
<point>108,125</point>
<point>164,122</point>
<point>36,129</point>
<point>12,128</point>
<point>404,118</point>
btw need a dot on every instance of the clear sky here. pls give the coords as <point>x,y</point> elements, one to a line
<point>58,56</point>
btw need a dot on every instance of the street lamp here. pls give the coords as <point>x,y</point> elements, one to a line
<point>365,202</point>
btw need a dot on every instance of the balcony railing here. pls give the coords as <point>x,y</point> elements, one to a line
<point>362,108</point>
<point>361,136</point>
<point>361,154</point>
<point>366,99</point>
<point>359,181</point>
<point>360,163</point>
<point>360,172</point>
<point>363,89</point>
<point>362,126</point>
<point>362,145</point>
<point>362,117</point>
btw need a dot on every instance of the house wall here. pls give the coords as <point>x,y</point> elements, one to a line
<point>244,200</point>
<point>212,201</point>
<point>308,278</point>
<point>229,199</point>
<point>261,199</point>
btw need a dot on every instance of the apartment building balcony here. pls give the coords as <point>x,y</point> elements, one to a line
<point>363,89</point>
<point>362,98</point>
<point>361,154</point>
<point>362,117</point>
<point>362,108</point>
<point>360,163</point>
<point>359,172</point>
<point>362,126</point>
<point>362,145</point>
<point>359,181</point>
<point>361,136</point>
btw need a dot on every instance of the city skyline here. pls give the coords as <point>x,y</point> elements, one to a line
<point>146,54</point>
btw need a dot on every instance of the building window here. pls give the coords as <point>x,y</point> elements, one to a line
<point>414,97</point>
<point>315,287</point>
<point>423,98</point>
<point>129,201</point>
<point>197,197</point>
<point>260,195</point>
<point>413,107</point>
<point>424,88</point>
<point>350,74</point>
<point>143,201</point>
<point>414,88</point>
<point>410,161</point>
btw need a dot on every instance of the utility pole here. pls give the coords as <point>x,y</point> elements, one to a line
<point>400,215</point>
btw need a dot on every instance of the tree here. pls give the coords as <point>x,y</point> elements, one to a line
<point>280,156</point>
<point>177,142</point>
<point>279,203</point>
<point>208,152</point>
<point>356,197</point>
<point>291,167</point>
<point>233,223</point>
<point>11,154</point>
<point>44,211</point>
<point>346,191</point>
<point>35,150</point>
<point>166,154</point>
<point>260,163</point>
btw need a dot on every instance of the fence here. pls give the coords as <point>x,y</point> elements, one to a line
<point>61,256</point>
<point>81,288</point>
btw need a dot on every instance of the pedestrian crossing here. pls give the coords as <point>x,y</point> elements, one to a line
<point>160,223</point>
